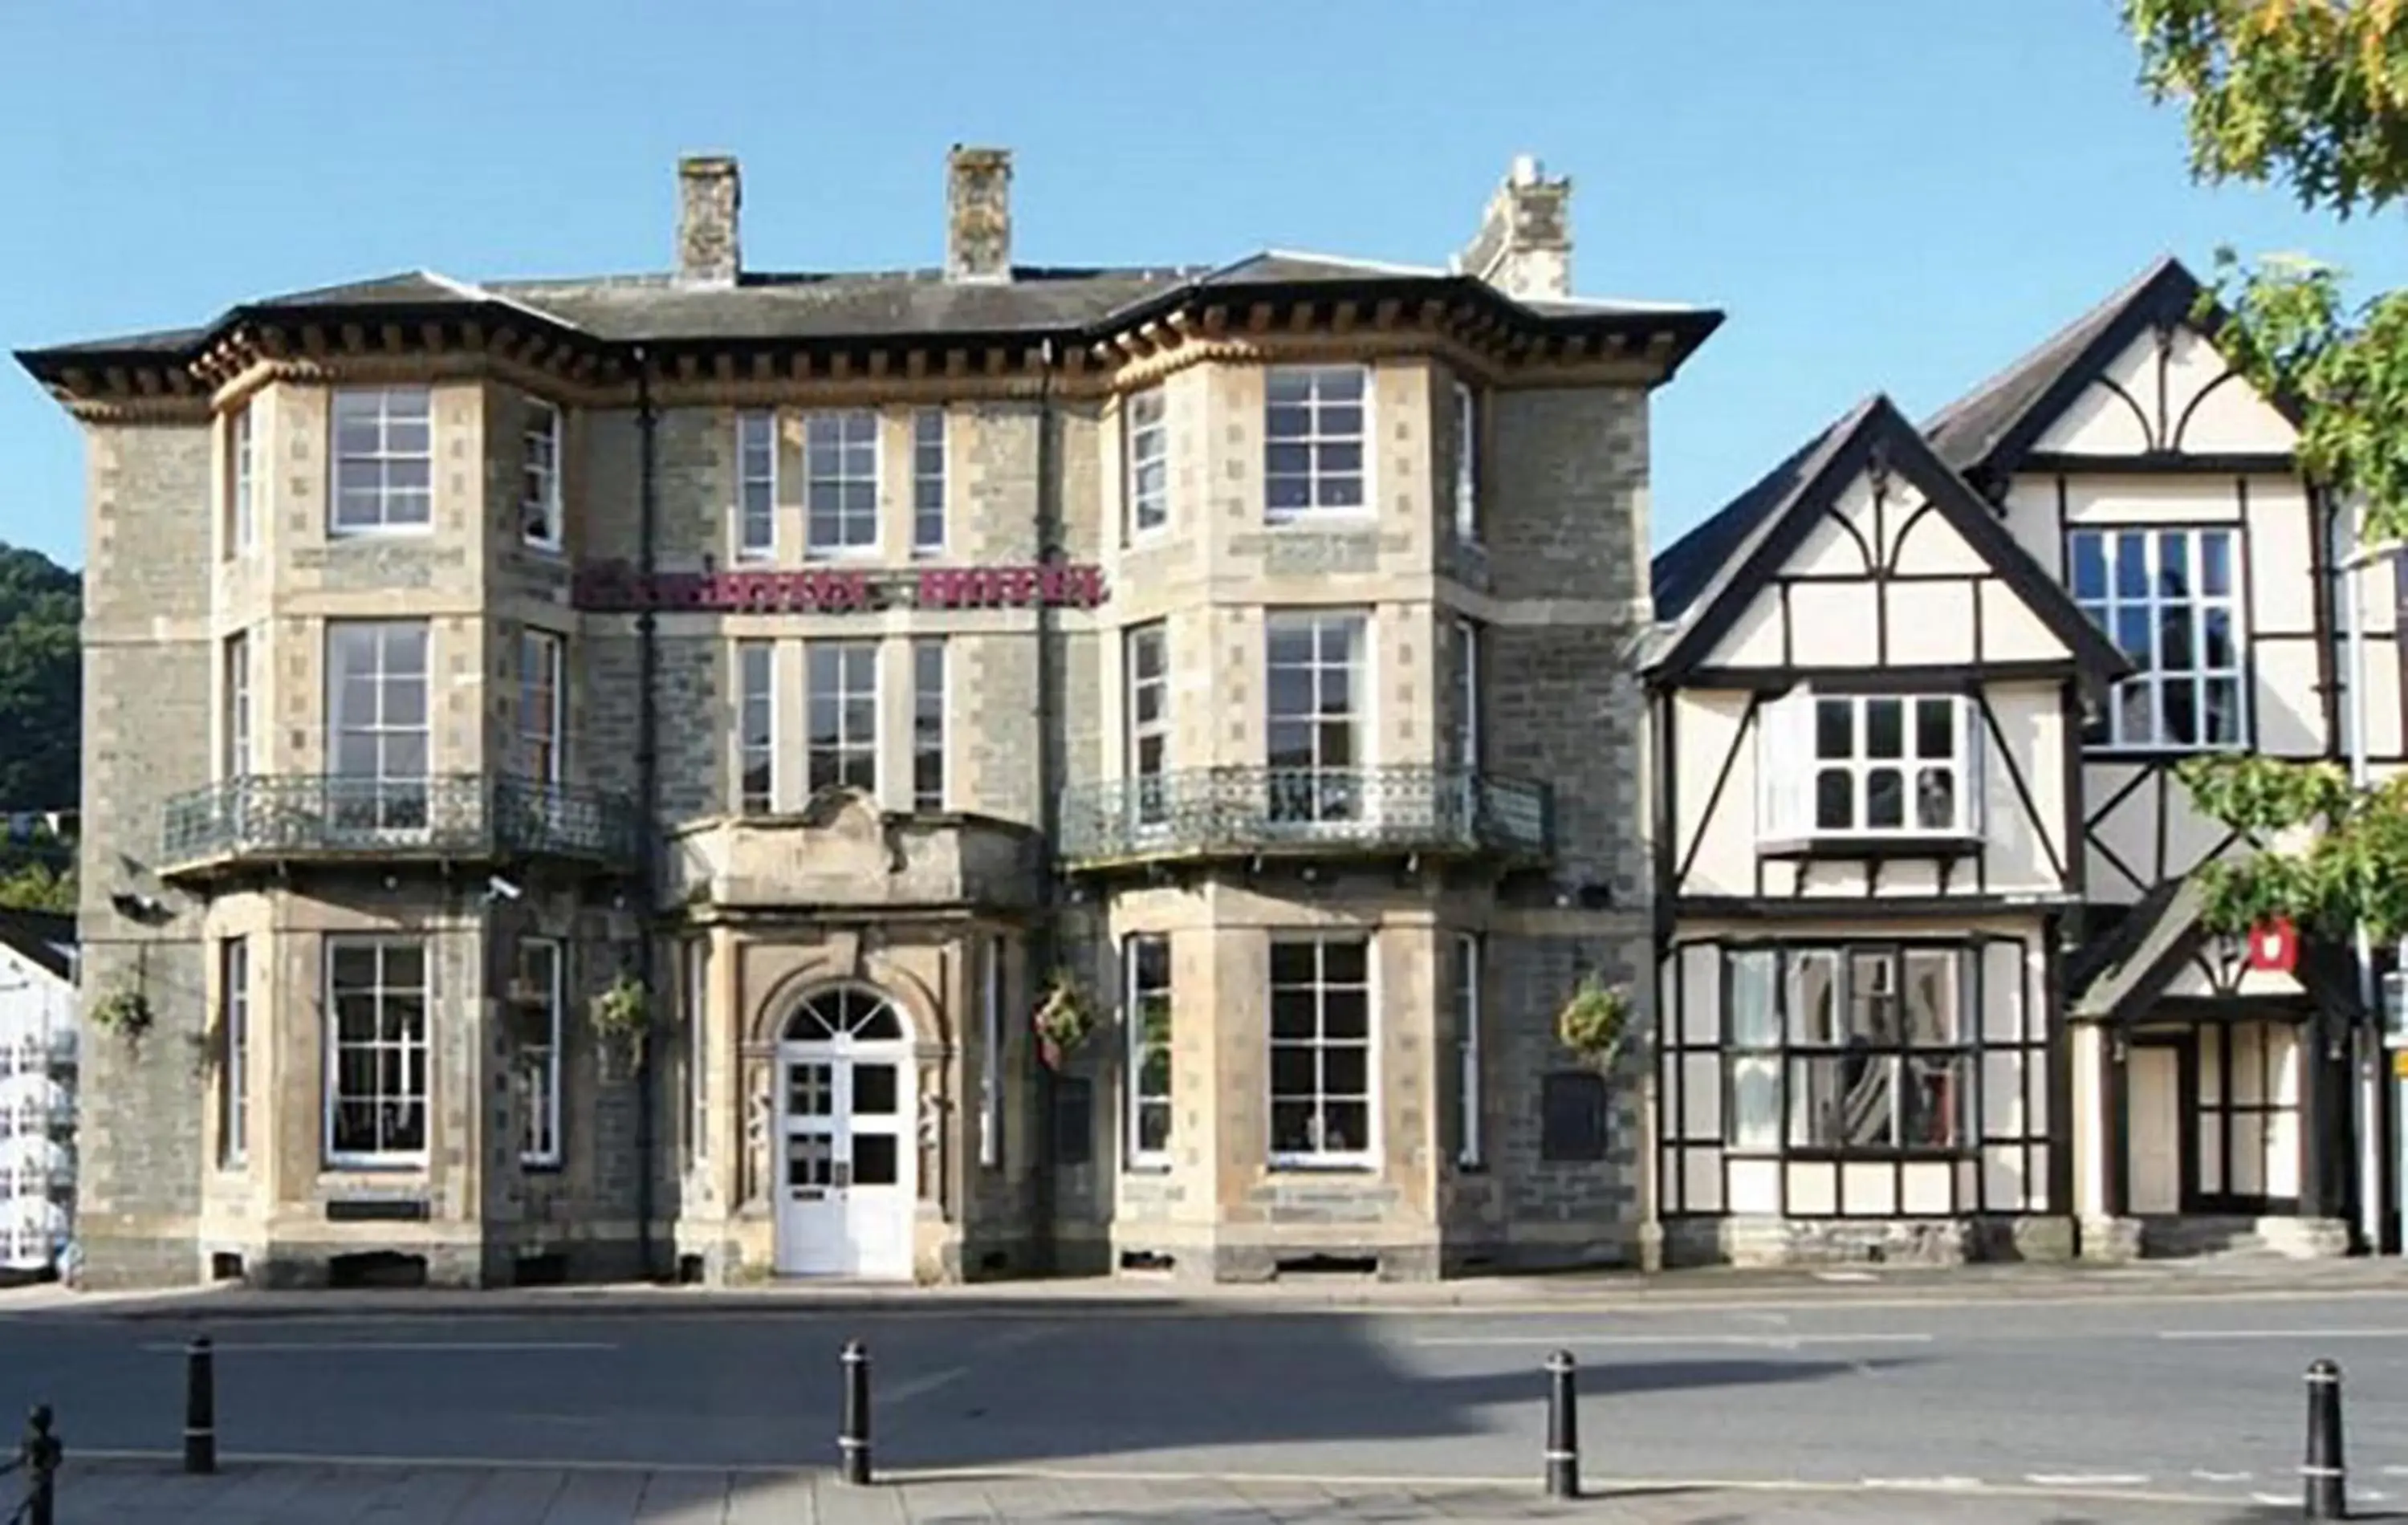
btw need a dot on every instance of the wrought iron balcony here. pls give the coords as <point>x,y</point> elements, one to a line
<point>1249,811</point>
<point>287,817</point>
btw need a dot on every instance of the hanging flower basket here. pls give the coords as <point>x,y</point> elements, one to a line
<point>1594,1022</point>
<point>621,1015</point>
<point>124,1011</point>
<point>1063,1021</point>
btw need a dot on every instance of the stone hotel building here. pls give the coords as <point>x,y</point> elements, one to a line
<point>598,775</point>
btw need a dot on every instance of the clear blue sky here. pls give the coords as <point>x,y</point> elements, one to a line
<point>1896,195</point>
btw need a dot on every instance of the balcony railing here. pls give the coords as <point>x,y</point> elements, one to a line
<point>1232,812</point>
<point>451,815</point>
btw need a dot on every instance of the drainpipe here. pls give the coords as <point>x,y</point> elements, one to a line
<point>648,787</point>
<point>1043,941</point>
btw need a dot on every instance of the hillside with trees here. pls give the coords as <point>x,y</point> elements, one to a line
<point>41,717</point>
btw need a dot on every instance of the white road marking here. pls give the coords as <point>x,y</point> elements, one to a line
<point>1758,1341</point>
<point>919,1386</point>
<point>1847,1276</point>
<point>1957,1483</point>
<point>430,1348</point>
<point>2087,1479</point>
<point>2397,1333</point>
<point>2280,1500</point>
<point>2221,1476</point>
<point>2395,1472</point>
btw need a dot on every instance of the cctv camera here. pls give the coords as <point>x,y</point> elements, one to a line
<point>498,887</point>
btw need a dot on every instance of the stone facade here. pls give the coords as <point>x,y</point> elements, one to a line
<point>956,909</point>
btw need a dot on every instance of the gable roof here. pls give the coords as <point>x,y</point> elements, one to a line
<point>2124,970</point>
<point>1705,579</point>
<point>43,937</point>
<point>1986,433</point>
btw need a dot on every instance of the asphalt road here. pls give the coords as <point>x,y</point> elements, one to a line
<point>2197,1396</point>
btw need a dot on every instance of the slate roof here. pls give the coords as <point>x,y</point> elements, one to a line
<point>841,305</point>
<point>43,937</point>
<point>1969,431</point>
<point>1967,435</point>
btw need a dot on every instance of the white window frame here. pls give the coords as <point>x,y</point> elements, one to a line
<point>392,785</point>
<point>242,445</point>
<point>543,704</point>
<point>1145,461</point>
<point>536,1066</point>
<point>1470,954</point>
<point>1142,1041</point>
<point>234,675</point>
<point>1329,790</point>
<point>841,432</point>
<point>928,470</point>
<point>931,685</point>
<point>847,659</point>
<point>1367,1155</point>
<point>233,1093</point>
<point>540,499</point>
<point>1467,464</point>
<point>756,485</point>
<point>397,509</point>
<point>333,1095</point>
<point>756,725</point>
<point>1146,762</point>
<point>697,1063</point>
<point>1326,480</point>
<point>1790,768</point>
<point>2107,603</point>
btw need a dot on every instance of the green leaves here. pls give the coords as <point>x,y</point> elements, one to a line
<point>2353,868</point>
<point>41,682</point>
<point>33,886</point>
<point>2314,91</point>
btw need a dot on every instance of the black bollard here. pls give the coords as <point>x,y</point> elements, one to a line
<point>200,1408</point>
<point>1563,1427</point>
<point>42,1454</point>
<point>852,1433</point>
<point>2324,1474</point>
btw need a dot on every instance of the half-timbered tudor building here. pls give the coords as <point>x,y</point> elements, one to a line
<point>1932,979</point>
<point>848,661</point>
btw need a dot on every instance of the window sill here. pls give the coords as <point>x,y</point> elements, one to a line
<point>1904,845</point>
<point>379,532</point>
<point>544,548</point>
<point>2156,752</point>
<point>540,1167</point>
<point>1321,518</point>
<point>1147,1165</point>
<point>380,1169</point>
<point>1323,1164</point>
<point>842,552</point>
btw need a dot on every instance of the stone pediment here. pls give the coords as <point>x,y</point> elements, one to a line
<point>841,850</point>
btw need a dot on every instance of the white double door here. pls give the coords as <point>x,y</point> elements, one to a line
<point>847,1158</point>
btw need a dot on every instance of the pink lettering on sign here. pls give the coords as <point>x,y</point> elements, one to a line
<point>615,587</point>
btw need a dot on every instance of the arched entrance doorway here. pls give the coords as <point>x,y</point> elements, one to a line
<point>847,1138</point>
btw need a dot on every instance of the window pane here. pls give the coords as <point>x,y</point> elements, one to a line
<point>1885,728</point>
<point>1754,1013</point>
<point>1835,728</point>
<point>1885,798</point>
<point>1835,799</point>
<point>1935,728</point>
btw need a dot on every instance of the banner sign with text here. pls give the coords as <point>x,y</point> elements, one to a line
<point>615,587</point>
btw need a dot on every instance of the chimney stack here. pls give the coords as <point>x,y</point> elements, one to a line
<point>710,194</point>
<point>978,214</point>
<point>1524,244</point>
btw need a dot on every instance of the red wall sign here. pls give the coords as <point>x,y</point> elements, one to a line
<point>615,587</point>
<point>2274,947</point>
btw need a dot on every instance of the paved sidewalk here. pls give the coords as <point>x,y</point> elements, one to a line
<point>2236,1277</point>
<point>152,1493</point>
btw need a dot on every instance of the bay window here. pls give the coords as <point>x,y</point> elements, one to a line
<point>1870,765</point>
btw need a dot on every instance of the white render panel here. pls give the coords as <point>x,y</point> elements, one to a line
<point>1702,1178</point>
<point>2011,632</point>
<point>1754,639</point>
<point>2019,839</point>
<point>1834,624</point>
<point>2171,395</point>
<point>1926,1188</point>
<point>2124,839</point>
<point>2281,565</point>
<point>1932,622</point>
<point>2105,420</point>
<point>1868,1189</point>
<point>1839,542</point>
<point>2031,519</point>
<point>1926,541</point>
<point>1719,848</point>
<point>2290,705</point>
<point>2099,498</point>
<point>1755,1186</point>
<point>2194,978</point>
<point>1702,994</point>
